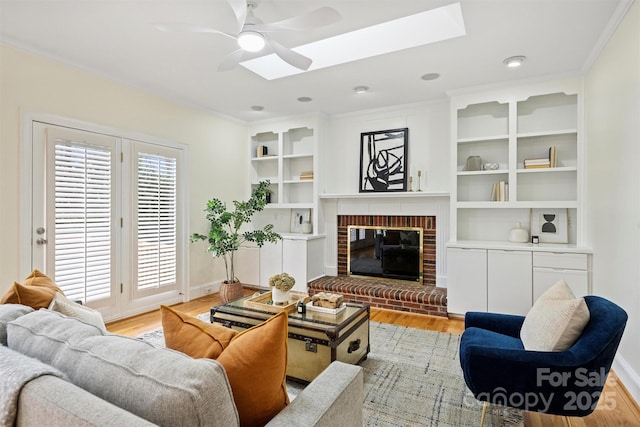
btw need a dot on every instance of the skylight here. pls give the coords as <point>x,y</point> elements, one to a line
<point>431,26</point>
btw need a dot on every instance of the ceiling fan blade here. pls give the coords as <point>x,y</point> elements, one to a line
<point>315,18</point>
<point>230,61</point>
<point>289,56</point>
<point>239,8</point>
<point>189,28</point>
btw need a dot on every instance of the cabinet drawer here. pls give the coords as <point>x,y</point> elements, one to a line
<point>569,261</point>
<point>544,278</point>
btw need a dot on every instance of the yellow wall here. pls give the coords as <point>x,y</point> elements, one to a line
<point>32,83</point>
<point>612,122</point>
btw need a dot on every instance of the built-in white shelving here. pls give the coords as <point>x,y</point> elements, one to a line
<point>290,163</point>
<point>507,127</point>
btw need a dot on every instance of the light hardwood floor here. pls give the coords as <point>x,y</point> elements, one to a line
<point>618,410</point>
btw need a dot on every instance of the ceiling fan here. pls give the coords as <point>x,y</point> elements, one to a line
<point>253,35</point>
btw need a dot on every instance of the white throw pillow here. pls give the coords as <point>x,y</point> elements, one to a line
<point>64,305</point>
<point>555,321</point>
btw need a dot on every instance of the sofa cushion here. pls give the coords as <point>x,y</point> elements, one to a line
<point>9,312</point>
<point>193,336</point>
<point>159,385</point>
<point>555,321</point>
<point>37,290</point>
<point>64,305</point>
<point>256,364</point>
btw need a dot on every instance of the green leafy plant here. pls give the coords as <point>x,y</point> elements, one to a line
<point>283,282</point>
<point>224,236</point>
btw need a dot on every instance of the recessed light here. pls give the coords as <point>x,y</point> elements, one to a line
<point>304,99</point>
<point>430,76</point>
<point>257,107</point>
<point>514,61</point>
<point>360,89</point>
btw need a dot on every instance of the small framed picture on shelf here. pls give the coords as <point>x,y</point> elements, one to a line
<point>298,218</point>
<point>550,225</point>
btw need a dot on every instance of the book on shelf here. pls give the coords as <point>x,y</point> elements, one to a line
<point>541,166</point>
<point>499,192</point>
<point>545,162</point>
<point>552,156</point>
<point>306,175</point>
<point>262,151</point>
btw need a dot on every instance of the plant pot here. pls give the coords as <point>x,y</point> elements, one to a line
<point>231,291</point>
<point>279,297</point>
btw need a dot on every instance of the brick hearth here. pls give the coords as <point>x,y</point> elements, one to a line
<point>390,295</point>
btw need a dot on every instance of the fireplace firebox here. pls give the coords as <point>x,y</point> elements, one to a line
<point>385,252</point>
<point>371,223</point>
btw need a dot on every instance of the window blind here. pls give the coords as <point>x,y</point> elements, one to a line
<point>156,221</point>
<point>83,235</point>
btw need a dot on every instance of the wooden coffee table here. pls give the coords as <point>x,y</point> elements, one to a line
<point>315,339</point>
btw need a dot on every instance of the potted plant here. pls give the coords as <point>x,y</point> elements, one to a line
<point>225,237</point>
<point>281,285</point>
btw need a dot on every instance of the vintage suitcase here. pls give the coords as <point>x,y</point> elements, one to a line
<point>315,339</point>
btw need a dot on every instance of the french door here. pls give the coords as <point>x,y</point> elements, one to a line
<point>106,218</point>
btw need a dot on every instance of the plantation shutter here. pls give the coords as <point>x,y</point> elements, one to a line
<point>156,224</point>
<point>82,220</point>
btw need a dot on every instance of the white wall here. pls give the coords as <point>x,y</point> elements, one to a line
<point>428,151</point>
<point>428,145</point>
<point>612,118</point>
<point>33,83</point>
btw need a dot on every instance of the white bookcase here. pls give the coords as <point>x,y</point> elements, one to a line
<point>505,127</point>
<point>290,162</point>
<point>291,152</point>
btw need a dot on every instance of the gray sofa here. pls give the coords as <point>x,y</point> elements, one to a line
<point>84,376</point>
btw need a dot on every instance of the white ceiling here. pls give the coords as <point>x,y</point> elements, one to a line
<point>116,39</point>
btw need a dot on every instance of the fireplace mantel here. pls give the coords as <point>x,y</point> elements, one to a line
<point>390,195</point>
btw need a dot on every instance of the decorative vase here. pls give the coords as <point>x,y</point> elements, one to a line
<point>279,297</point>
<point>231,291</point>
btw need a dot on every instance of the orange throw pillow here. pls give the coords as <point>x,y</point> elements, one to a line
<point>36,278</point>
<point>36,297</point>
<point>256,365</point>
<point>36,291</point>
<point>192,336</point>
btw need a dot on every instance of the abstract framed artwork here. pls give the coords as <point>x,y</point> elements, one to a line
<point>383,160</point>
<point>550,225</point>
<point>298,217</point>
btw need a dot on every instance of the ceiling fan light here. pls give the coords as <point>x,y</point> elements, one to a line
<point>251,41</point>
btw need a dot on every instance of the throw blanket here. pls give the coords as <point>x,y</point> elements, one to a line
<point>15,371</point>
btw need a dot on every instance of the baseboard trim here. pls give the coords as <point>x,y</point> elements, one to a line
<point>628,376</point>
<point>206,289</point>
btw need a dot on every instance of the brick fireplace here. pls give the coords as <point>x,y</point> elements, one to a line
<point>411,209</point>
<point>427,223</point>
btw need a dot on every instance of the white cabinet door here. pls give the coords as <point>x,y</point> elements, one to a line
<point>544,278</point>
<point>294,262</point>
<point>467,282</point>
<point>270,261</point>
<point>246,261</point>
<point>509,281</point>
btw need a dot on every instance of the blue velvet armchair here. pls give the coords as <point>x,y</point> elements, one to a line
<point>498,370</point>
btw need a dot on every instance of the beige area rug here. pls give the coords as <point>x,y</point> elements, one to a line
<point>412,377</point>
